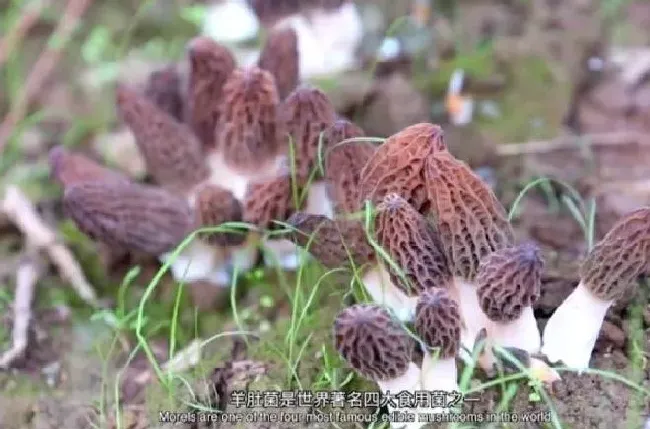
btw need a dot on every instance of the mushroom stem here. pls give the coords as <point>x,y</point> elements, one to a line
<point>521,333</point>
<point>198,262</point>
<point>439,375</point>
<point>473,317</point>
<point>410,381</point>
<point>381,289</point>
<point>571,332</point>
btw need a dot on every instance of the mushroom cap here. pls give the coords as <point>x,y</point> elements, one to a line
<point>164,89</point>
<point>210,65</point>
<point>69,168</point>
<point>397,166</point>
<point>269,200</point>
<point>413,244</point>
<point>438,322</point>
<point>470,219</point>
<point>214,206</point>
<point>343,165</point>
<point>172,153</point>
<point>619,258</point>
<point>306,113</point>
<point>128,215</point>
<point>248,133</point>
<point>280,57</point>
<point>509,280</point>
<point>334,243</point>
<point>372,342</point>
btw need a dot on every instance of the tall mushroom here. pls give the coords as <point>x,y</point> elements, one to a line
<point>379,349</point>
<point>472,223</point>
<point>438,324</point>
<point>612,266</point>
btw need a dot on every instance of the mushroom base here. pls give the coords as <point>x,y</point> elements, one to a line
<point>381,289</point>
<point>572,330</point>
<point>521,333</point>
<point>410,382</point>
<point>439,374</point>
<point>281,253</point>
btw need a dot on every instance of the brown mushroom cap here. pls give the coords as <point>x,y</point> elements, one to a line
<point>248,133</point>
<point>343,165</point>
<point>509,280</point>
<point>438,322</point>
<point>334,243</point>
<point>306,113</point>
<point>470,219</point>
<point>164,89</point>
<point>372,342</point>
<point>69,168</point>
<point>129,216</point>
<point>280,57</point>
<point>269,200</point>
<point>413,244</point>
<point>210,65</point>
<point>397,166</point>
<point>616,261</point>
<point>172,154</point>
<point>214,206</point>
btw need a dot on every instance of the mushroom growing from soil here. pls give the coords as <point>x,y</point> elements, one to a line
<point>611,267</point>
<point>508,285</point>
<point>438,324</point>
<point>379,349</point>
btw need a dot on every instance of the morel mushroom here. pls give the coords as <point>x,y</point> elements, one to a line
<point>379,349</point>
<point>612,266</point>
<point>322,51</point>
<point>306,114</point>
<point>472,223</point>
<point>417,262</point>
<point>438,324</point>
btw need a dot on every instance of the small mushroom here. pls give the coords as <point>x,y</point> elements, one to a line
<point>471,223</point>
<point>379,349</point>
<point>164,89</point>
<point>610,268</point>
<point>438,324</point>
<point>508,285</point>
<point>414,249</point>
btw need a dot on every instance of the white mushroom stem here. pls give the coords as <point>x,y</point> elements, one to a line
<point>572,330</point>
<point>199,262</point>
<point>381,289</point>
<point>439,374</point>
<point>521,333</point>
<point>410,381</point>
<point>473,317</point>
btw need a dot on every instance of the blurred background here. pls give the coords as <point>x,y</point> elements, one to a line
<point>524,89</point>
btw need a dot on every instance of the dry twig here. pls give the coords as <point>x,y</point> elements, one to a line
<point>43,67</point>
<point>22,213</point>
<point>570,142</point>
<point>26,277</point>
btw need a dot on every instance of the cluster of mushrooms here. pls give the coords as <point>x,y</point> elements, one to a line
<point>430,241</point>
